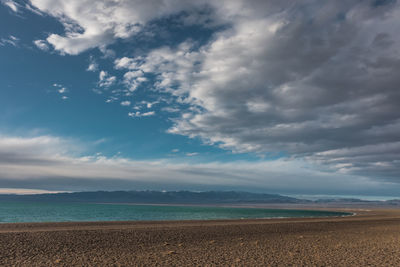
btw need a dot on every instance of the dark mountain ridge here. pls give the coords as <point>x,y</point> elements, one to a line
<point>185,197</point>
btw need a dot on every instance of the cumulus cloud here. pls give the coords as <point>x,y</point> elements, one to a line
<point>105,79</point>
<point>174,68</point>
<point>301,79</point>
<point>125,63</point>
<point>133,79</point>
<point>41,44</point>
<point>51,163</point>
<point>89,24</point>
<point>312,79</point>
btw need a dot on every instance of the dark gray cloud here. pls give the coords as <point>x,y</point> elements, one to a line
<point>312,78</point>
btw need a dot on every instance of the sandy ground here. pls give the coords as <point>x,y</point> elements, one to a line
<point>372,238</point>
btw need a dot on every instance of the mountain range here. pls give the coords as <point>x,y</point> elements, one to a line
<point>183,197</point>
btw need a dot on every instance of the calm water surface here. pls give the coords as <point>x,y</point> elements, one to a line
<point>64,212</point>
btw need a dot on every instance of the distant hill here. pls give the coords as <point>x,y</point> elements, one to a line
<point>187,197</point>
<point>157,197</point>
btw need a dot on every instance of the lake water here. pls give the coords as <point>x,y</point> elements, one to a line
<point>64,212</point>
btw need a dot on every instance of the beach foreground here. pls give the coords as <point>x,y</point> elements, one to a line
<point>371,238</point>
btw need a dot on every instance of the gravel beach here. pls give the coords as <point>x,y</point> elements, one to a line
<point>370,238</point>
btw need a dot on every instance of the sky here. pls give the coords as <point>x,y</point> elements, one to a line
<point>273,96</point>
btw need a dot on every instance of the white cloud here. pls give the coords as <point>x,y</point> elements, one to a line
<point>150,104</point>
<point>172,66</point>
<point>22,191</point>
<point>41,44</point>
<point>149,113</point>
<point>125,63</point>
<point>62,90</point>
<point>111,99</point>
<point>171,109</point>
<point>91,24</point>
<point>133,79</point>
<point>11,4</point>
<point>106,80</point>
<point>48,163</point>
<point>11,40</point>
<point>133,114</point>
<point>140,114</point>
<point>102,75</point>
<point>93,66</point>
<point>125,103</point>
<point>33,9</point>
<point>192,154</point>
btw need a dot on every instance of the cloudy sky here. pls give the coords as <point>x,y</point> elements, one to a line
<point>279,96</point>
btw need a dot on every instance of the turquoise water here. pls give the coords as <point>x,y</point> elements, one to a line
<point>64,212</point>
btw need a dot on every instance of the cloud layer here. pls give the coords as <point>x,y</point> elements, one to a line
<point>51,163</point>
<point>317,80</point>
